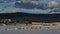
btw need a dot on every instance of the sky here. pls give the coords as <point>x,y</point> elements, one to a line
<point>12,9</point>
<point>49,0</point>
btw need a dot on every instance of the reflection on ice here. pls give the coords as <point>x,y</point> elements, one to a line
<point>29,27</point>
<point>23,29</point>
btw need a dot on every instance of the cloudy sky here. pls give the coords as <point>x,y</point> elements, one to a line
<point>49,0</point>
<point>10,7</point>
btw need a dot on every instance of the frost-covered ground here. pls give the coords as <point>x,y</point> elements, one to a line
<point>12,29</point>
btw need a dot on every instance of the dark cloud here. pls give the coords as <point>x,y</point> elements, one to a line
<point>37,5</point>
<point>32,5</point>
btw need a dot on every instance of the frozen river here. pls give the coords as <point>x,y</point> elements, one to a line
<point>12,29</point>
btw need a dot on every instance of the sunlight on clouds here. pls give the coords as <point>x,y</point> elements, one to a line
<point>53,4</point>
